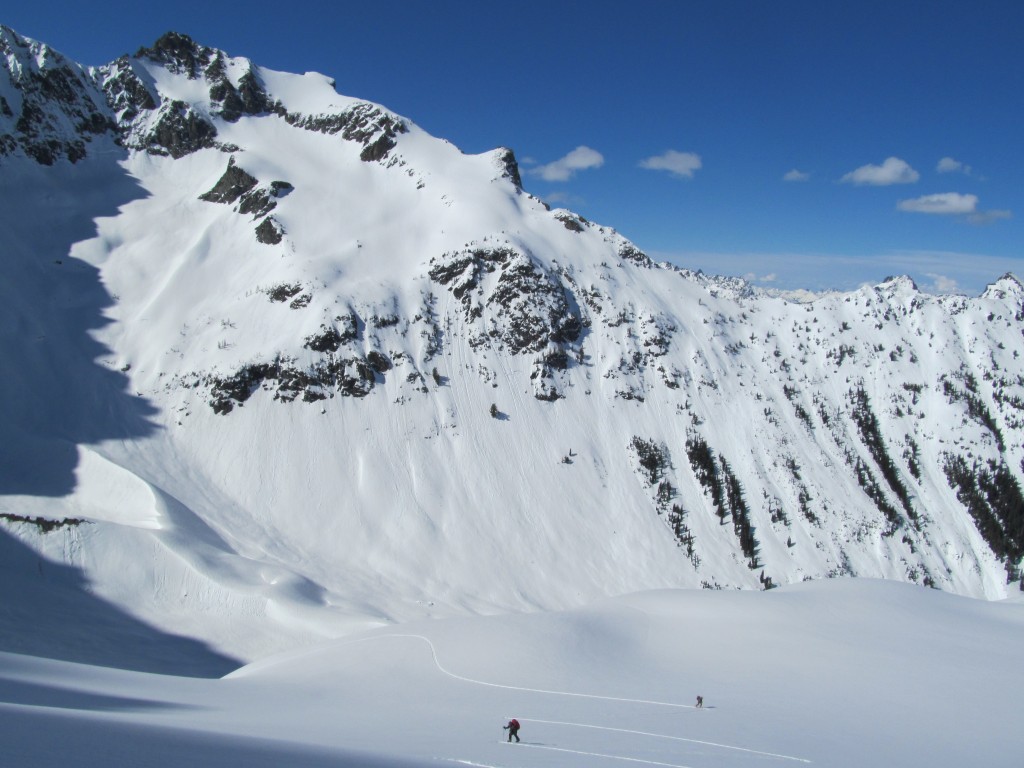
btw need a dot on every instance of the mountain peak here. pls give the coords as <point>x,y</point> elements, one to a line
<point>1009,286</point>
<point>899,282</point>
<point>507,162</point>
<point>894,287</point>
<point>179,53</point>
<point>49,107</point>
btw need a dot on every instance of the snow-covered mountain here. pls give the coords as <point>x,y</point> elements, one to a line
<point>279,365</point>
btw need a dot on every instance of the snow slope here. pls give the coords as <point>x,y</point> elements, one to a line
<point>838,673</point>
<point>282,367</point>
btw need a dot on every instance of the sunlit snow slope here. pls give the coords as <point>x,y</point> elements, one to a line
<point>844,673</point>
<point>279,365</point>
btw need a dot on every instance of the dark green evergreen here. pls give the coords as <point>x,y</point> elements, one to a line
<point>994,500</point>
<point>871,434</point>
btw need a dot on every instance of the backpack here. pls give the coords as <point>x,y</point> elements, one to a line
<point>514,723</point>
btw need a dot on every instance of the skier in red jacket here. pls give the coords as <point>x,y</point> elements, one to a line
<point>512,728</point>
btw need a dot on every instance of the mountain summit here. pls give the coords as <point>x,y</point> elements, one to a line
<point>280,365</point>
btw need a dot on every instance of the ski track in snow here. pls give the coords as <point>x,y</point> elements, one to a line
<point>673,738</point>
<point>433,653</point>
<point>601,754</point>
<point>453,675</point>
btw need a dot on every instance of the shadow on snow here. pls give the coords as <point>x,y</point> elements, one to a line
<point>60,387</point>
<point>47,609</point>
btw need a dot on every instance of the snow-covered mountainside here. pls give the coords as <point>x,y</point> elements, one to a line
<point>279,365</point>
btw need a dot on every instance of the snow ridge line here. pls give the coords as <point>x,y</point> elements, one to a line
<point>665,736</point>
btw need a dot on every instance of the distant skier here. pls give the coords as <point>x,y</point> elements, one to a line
<point>512,728</point>
<point>700,702</point>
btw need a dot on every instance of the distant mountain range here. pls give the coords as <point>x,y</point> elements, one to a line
<point>280,365</point>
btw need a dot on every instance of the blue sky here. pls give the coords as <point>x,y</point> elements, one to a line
<point>801,144</point>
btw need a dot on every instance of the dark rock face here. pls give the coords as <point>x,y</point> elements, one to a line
<point>127,95</point>
<point>61,109</point>
<point>231,186</point>
<point>629,253</point>
<point>231,103</point>
<point>348,327</point>
<point>261,201</point>
<point>544,376</point>
<point>571,222</point>
<point>329,340</point>
<point>335,371</point>
<point>379,362</point>
<point>180,131</point>
<point>531,302</point>
<point>465,270</point>
<point>535,306</point>
<point>257,202</point>
<point>280,188</point>
<point>510,167</point>
<point>364,124</point>
<point>269,232</point>
<point>530,310</point>
<point>253,97</point>
<point>284,292</point>
<point>236,185</point>
<point>377,149</point>
<point>179,53</point>
<point>347,377</point>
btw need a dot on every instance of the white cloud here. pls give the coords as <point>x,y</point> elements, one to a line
<point>677,163</point>
<point>942,284</point>
<point>563,198</point>
<point>892,171</point>
<point>953,204</point>
<point>795,175</point>
<point>944,203</point>
<point>563,169</point>
<point>987,217</point>
<point>949,165</point>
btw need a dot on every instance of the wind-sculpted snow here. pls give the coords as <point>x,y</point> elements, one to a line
<point>390,383</point>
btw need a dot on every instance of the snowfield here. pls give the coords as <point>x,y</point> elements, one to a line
<point>843,673</point>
